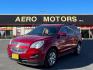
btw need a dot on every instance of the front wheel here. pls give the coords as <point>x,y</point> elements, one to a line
<point>51,58</point>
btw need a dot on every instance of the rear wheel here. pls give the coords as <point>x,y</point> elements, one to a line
<point>78,49</point>
<point>51,58</point>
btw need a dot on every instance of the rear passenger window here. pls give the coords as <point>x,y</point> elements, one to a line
<point>67,30</point>
<point>63,29</point>
<point>70,31</point>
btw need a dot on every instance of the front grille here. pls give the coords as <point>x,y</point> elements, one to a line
<point>18,50</point>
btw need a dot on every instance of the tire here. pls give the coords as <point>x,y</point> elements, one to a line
<point>51,58</point>
<point>78,49</point>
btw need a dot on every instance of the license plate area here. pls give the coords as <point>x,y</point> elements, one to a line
<point>15,56</point>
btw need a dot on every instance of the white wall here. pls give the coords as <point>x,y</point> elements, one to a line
<point>22,31</point>
<point>14,31</point>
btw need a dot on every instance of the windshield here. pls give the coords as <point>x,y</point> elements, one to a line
<point>43,31</point>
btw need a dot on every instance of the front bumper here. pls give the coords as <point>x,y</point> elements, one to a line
<point>28,58</point>
<point>32,63</point>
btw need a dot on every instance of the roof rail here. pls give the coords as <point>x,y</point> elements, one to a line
<point>69,24</point>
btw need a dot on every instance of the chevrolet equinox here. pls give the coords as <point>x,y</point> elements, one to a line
<point>44,44</point>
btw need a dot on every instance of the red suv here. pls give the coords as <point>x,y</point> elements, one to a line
<point>44,44</point>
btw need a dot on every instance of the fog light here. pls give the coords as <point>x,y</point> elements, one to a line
<point>35,56</point>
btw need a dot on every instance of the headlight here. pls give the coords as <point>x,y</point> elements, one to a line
<point>37,44</point>
<point>10,41</point>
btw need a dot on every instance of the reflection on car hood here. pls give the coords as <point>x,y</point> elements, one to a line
<point>29,38</point>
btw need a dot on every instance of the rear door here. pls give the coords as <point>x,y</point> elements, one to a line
<point>66,42</point>
<point>63,40</point>
<point>71,37</point>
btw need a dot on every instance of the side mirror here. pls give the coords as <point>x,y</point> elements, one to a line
<point>62,34</point>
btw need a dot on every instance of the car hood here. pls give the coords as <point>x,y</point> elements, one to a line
<point>30,38</point>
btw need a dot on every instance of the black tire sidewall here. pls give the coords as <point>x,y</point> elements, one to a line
<point>47,57</point>
<point>76,50</point>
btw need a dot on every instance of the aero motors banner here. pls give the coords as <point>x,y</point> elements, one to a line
<point>19,20</point>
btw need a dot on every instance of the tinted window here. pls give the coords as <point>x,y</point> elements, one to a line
<point>63,29</point>
<point>75,29</point>
<point>37,31</point>
<point>67,30</point>
<point>43,31</point>
<point>70,31</point>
